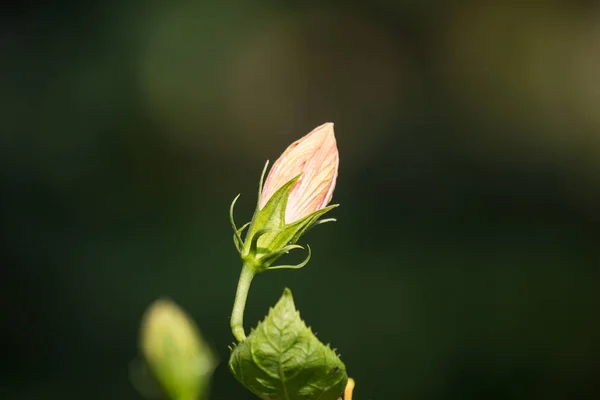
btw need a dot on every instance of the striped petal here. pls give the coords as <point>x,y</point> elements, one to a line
<point>316,157</point>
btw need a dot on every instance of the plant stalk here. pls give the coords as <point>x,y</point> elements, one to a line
<point>241,295</point>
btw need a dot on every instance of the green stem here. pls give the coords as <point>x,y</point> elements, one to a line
<point>237,314</point>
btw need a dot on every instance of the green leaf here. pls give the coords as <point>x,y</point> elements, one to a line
<point>283,360</point>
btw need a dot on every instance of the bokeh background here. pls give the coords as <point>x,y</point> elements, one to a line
<point>465,261</point>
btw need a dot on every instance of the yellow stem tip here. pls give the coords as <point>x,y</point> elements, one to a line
<point>349,389</point>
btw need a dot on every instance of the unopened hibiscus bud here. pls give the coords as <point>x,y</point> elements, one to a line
<point>295,195</point>
<point>315,159</point>
<point>174,351</point>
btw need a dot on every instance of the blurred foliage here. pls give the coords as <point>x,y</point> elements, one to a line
<point>467,241</point>
<point>174,357</point>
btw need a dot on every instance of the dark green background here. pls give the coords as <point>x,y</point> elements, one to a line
<point>465,261</point>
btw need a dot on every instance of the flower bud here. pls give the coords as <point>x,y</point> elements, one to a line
<point>315,158</point>
<point>175,352</point>
<point>295,195</point>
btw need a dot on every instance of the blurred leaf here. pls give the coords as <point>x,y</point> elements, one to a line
<point>175,352</point>
<point>142,380</point>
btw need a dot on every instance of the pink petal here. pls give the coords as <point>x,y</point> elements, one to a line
<point>316,157</point>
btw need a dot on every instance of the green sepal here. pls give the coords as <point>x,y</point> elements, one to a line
<point>231,219</point>
<point>237,241</point>
<point>253,249</point>
<point>272,215</point>
<point>321,222</point>
<point>264,252</point>
<point>237,233</point>
<point>262,180</point>
<point>297,266</point>
<point>268,234</point>
<point>268,258</point>
<point>295,230</point>
<point>283,360</point>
